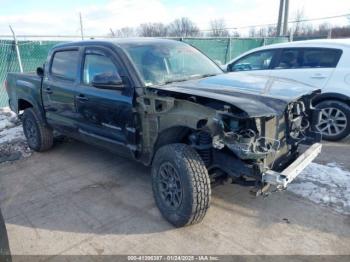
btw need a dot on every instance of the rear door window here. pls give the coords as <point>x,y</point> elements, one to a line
<point>308,58</point>
<point>320,57</point>
<point>65,64</point>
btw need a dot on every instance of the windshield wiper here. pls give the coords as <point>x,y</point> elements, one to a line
<point>207,75</point>
<point>176,80</point>
<point>187,78</point>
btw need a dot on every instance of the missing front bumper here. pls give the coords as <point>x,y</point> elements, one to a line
<point>282,179</point>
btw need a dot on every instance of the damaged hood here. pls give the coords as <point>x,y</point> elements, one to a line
<point>256,95</point>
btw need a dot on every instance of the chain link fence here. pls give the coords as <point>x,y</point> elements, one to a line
<point>224,50</point>
<point>34,53</point>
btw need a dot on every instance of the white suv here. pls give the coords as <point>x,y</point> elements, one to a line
<point>321,63</point>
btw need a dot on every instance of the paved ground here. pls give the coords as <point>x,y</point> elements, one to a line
<point>76,199</point>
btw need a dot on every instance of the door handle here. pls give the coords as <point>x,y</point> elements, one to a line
<point>318,76</point>
<point>48,90</point>
<point>82,98</point>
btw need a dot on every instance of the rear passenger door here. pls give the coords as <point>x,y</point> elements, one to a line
<point>313,66</point>
<point>60,89</point>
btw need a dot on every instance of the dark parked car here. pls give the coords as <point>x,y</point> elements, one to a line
<point>168,106</point>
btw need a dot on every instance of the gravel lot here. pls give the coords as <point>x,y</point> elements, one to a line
<point>76,199</point>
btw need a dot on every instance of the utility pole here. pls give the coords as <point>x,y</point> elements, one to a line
<point>285,22</point>
<point>283,16</point>
<point>81,27</point>
<point>112,32</point>
<point>17,50</point>
<point>279,21</point>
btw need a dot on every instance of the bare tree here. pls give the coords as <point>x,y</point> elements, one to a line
<point>183,27</point>
<point>124,32</point>
<point>341,32</point>
<point>152,30</point>
<point>299,26</point>
<point>218,28</point>
<point>271,30</point>
<point>324,28</point>
<point>262,32</point>
<point>268,31</point>
<point>235,34</point>
<point>252,32</point>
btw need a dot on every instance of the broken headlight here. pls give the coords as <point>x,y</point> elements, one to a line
<point>298,120</point>
<point>243,141</point>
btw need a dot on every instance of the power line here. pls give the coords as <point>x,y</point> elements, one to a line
<point>289,22</point>
<point>202,30</point>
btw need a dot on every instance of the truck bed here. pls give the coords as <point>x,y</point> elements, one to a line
<point>24,86</point>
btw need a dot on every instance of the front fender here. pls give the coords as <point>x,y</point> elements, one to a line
<point>188,114</point>
<point>161,114</point>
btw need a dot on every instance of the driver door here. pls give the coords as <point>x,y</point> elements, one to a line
<point>105,115</point>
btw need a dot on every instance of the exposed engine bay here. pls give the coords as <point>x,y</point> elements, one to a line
<point>256,138</point>
<point>255,144</point>
<point>244,141</point>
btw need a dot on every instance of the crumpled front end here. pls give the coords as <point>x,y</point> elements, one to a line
<point>255,149</point>
<point>232,137</point>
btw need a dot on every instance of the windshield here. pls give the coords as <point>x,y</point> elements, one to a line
<point>165,62</point>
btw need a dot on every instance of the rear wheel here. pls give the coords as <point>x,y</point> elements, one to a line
<point>181,184</point>
<point>334,123</point>
<point>39,136</point>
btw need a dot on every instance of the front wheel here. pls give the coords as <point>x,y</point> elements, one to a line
<point>334,122</point>
<point>181,184</point>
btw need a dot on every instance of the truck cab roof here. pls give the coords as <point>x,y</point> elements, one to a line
<point>119,42</point>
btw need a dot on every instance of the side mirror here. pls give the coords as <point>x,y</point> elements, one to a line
<point>108,81</point>
<point>40,71</point>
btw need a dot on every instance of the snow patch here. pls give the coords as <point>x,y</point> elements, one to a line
<point>13,134</point>
<point>328,185</point>
<point>10,128</point>
<point>13,145</point>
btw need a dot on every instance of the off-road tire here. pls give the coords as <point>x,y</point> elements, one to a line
<point>195,184</point>
<point>39,136</point>
<point>345,109</point>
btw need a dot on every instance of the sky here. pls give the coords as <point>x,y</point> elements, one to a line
<point>61,17</point>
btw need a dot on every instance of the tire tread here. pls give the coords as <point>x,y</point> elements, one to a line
<point>45,133</point>
<point>200,181</point>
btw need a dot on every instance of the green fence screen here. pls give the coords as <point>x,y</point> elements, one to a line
<point>34,53</point>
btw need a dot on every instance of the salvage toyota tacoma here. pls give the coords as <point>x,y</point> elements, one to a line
<point>168,106</point>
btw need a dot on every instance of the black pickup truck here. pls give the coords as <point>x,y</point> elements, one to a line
<point>167,105</point>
